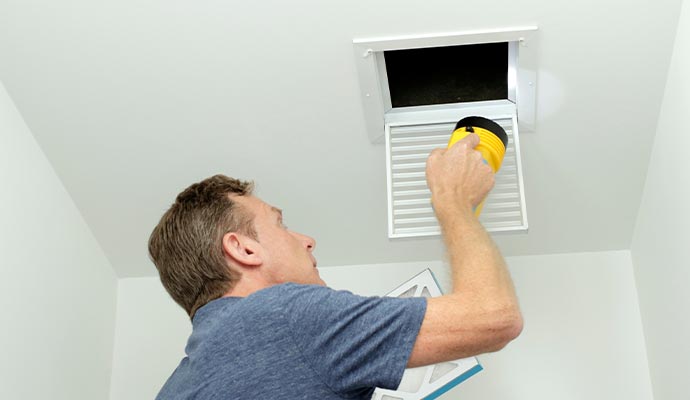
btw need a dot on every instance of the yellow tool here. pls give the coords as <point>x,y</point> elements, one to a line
<point>493,141</point>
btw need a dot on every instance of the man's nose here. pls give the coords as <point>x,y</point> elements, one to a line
<point>308,241</point>
<point>311,243</point>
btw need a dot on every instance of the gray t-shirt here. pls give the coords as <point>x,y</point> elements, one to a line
<point>296,342</point>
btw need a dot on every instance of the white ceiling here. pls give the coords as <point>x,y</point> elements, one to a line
<point>132,101</point>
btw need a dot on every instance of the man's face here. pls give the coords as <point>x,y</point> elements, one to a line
<point>287,255</point>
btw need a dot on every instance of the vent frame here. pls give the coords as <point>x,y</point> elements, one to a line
<point>373,80</point>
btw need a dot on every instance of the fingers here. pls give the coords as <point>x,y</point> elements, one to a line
<point>477,155</point>
<point>458,175</point>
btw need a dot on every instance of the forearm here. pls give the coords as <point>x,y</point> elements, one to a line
<point>478,269</point>
<point>481,315</point>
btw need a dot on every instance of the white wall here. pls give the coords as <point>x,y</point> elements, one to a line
<point>57,290</point>
<point>582,339</point>
<point>150,337</point>
<point>660,242</point>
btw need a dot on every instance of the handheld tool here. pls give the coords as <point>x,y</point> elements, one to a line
<point>493,142</point>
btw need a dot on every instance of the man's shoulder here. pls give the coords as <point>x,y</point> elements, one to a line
<point>277,298</point>
<point>281,298</point>
<point>299,302</point>
<point>290,288</point>
<point>296,291</point>
<point>288,295</point>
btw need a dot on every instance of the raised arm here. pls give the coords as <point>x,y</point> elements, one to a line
<point>481,314</point>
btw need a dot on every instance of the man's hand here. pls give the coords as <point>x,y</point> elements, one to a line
<point>458,177</point>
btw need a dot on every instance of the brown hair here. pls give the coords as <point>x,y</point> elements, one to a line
<point>186,245</point>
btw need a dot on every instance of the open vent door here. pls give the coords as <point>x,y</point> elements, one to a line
<point>410,213</point>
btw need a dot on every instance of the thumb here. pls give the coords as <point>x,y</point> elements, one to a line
<point>471,140</point>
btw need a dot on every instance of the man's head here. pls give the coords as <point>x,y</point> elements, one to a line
<point>217,237</point>
<point>275,255</point>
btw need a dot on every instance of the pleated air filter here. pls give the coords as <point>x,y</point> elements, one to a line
<point>433,380</point>
<point>410,213</point>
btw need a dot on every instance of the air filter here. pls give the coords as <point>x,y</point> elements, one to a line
<point>430,381</point>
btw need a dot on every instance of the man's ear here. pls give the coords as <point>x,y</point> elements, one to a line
<point>242,249</point>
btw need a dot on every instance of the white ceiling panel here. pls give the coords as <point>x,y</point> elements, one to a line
<point>132,101</point>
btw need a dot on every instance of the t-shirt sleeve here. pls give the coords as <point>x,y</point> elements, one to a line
<point>353,342</point>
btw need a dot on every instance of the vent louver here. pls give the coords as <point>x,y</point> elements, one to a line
<point>409,200</point>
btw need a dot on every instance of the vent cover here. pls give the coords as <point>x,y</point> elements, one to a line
<point>409,200</point>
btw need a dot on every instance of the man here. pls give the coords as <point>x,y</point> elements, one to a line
<point>266,327</point>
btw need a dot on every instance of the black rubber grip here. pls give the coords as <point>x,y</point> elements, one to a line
<point>485,123</point>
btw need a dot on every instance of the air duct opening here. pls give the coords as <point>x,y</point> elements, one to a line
<point>441,77</point>
<point>416,88</point>
<point>448,74</point>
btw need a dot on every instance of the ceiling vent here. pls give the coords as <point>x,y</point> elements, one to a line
<point>415,89</point>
